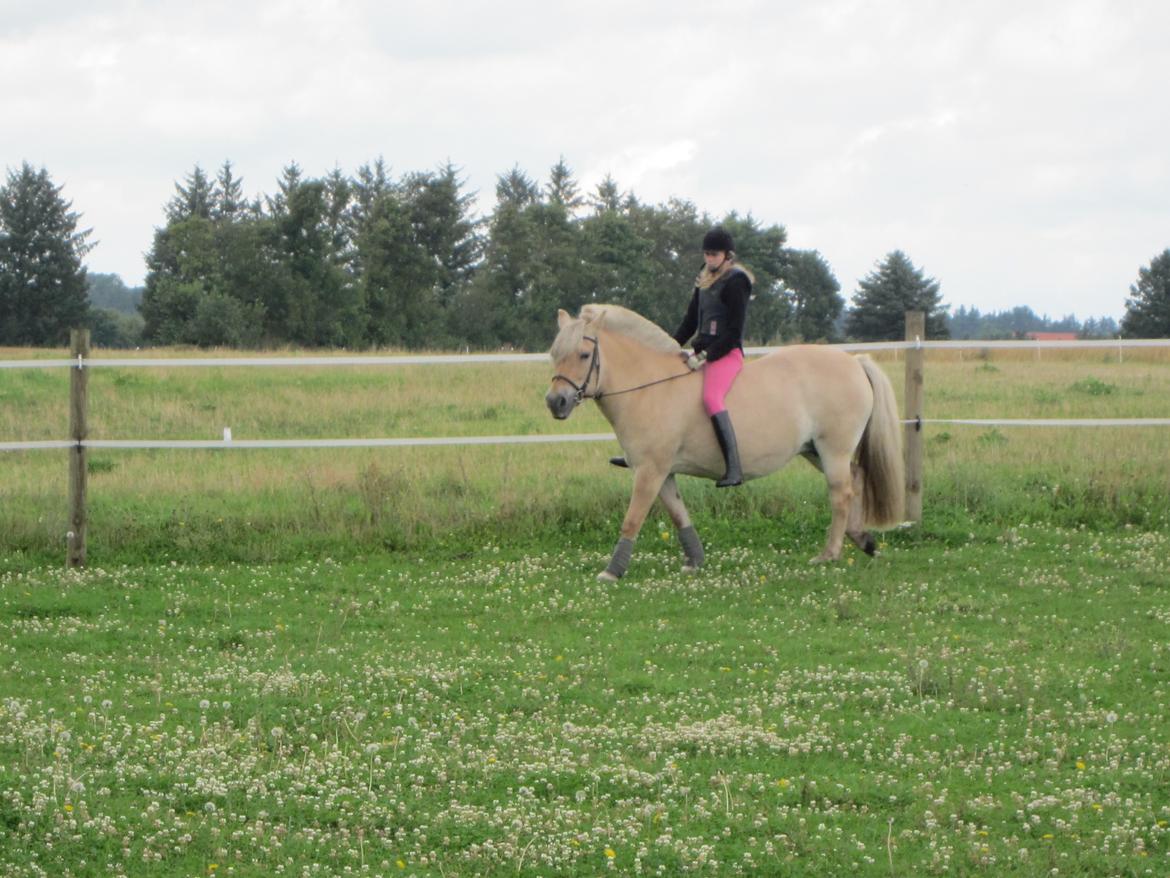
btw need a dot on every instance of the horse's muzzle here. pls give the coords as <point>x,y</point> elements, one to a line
<point>560,403</point>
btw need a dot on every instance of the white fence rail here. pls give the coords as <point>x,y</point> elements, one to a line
<point>472,359</point>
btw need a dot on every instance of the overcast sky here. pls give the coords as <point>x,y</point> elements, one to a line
<point>1019,152</point>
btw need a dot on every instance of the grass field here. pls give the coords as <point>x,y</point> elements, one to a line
<point>967,703</point>
<point>273,505</point>
<point>397,662</point>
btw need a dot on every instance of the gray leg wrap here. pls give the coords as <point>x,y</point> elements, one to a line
<point>621,557</point>
<point>692,547</point>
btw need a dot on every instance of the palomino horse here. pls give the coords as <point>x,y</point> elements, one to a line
<point>836,410</point>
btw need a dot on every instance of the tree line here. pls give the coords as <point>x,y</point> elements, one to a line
<point>373,260</point>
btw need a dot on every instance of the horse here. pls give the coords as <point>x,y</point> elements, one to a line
<point>834,409</point>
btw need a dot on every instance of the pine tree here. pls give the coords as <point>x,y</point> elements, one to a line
<point>227,195</point>
<point>1147,310</point>
<point>607,196</point>
<point>197,198</point>
<point>562,188</point>
<point>516,188</point>
<point>885,295</point>
<point>42,280</point>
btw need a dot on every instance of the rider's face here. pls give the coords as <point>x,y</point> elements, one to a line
<point>714,259</point>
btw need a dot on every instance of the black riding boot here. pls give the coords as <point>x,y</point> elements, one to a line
<point>726,436</point>
<point>619,461</point>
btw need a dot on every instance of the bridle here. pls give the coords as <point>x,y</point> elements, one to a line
<point>581,391</point>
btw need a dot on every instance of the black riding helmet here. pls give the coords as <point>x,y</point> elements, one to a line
<point>718,239</point>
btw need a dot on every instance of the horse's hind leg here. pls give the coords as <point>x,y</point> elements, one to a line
<point>838,474</point>
<point>687,535</point>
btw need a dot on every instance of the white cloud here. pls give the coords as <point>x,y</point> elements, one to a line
<point>1016,152</point>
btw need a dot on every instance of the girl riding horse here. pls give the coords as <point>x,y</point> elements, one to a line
<point>717,311</point>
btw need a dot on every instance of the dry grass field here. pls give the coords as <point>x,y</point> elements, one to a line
<point>254,499</point>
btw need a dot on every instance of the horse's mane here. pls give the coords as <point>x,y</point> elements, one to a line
<point>617,319</point>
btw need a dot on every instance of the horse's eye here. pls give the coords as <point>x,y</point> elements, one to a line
<point>584,355</point>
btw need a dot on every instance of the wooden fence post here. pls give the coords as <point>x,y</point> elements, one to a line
<point>78,431</point>
<point>915,357</point>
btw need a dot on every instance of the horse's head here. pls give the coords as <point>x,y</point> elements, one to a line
<point>577,363</point>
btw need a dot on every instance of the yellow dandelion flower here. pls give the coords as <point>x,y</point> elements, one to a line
<point>1080,765</point>
<point>610,853</point>
<point>1048,836</point>
<point>211,868</point>
<point>401,864</point>
<point>784,783</point>
<point>68,808</point>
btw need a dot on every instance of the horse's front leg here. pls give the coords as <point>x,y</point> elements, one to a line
<point>647,481</point>
<point>687,535</point>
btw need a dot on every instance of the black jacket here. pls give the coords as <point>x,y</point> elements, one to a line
<point>736,291</point>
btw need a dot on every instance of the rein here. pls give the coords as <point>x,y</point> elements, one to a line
<point>581,391</point>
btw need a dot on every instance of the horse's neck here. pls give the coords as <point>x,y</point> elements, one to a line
<point>627,362</point>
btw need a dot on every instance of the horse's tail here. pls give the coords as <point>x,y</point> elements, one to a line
<point>880,453</point>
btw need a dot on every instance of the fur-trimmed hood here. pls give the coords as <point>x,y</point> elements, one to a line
<point>706,279</point>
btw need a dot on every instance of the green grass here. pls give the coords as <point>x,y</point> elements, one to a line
<point>398,662</point>
<point>971,702</point>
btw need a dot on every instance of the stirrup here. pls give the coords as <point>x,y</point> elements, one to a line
<point>619,461</point>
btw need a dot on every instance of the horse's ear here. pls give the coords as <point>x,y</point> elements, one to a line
<point>563,318</point>
<point>592,314</point>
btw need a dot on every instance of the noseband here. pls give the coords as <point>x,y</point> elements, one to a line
<point>581,391</point>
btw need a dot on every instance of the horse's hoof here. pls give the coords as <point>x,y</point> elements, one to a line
<point>823,558</point>
<point>606,576</point>
<point>870,547</point>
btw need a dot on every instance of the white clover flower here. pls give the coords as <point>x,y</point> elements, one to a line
<point>210,808</point>
<point>204,704</point>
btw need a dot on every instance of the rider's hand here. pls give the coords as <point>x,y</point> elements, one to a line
<point>694,361</point>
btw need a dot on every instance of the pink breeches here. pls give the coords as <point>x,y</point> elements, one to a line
<point>717,378</point>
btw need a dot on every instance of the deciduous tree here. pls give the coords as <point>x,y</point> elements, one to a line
<point>815,295</point>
